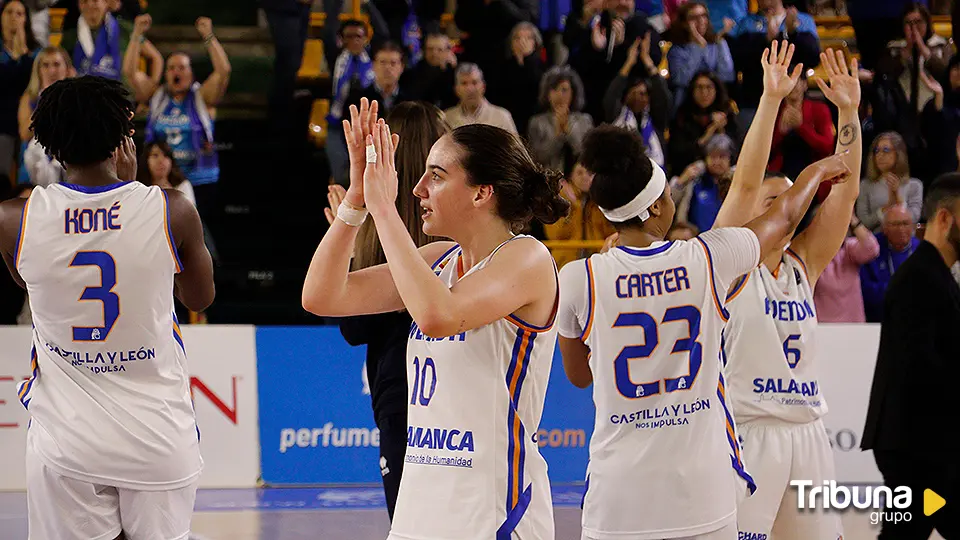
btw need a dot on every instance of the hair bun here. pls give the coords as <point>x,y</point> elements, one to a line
<point>542,190</point>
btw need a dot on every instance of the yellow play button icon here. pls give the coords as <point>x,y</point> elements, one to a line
<point>931,502</point>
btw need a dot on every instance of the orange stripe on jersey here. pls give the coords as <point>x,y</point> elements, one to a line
<point>591,302</point>
<point>738,287</point>
<point>793,254</point>
<point>33,376</point>
<point>515,434</point>
<point>713,285</point>
<point>20,234</point>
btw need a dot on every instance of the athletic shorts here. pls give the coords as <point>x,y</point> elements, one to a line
<point>726,533</point>
<point>776,453</point>
<point>62,508</point>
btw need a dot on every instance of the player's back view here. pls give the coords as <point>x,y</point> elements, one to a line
<point>642,323</point>
<point>653,321</point>
<point>112,443</point>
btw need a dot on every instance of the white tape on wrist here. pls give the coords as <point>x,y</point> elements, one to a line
<point>353,217</point>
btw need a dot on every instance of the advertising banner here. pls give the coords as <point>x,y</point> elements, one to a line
<point>223,381</point>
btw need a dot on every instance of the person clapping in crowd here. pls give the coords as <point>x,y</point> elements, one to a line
<point>556,136</point>
<point>705,112</point>
<point>888,182</point>
<point>696,48</point>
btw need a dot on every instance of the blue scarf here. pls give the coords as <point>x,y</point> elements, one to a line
<point>194,107</point>
<point>106,59</point>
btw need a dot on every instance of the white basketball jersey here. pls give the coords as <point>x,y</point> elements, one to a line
<point>109,396</point>
<point>473,469</point>
<point>770,345</point>
<point>664,455</point>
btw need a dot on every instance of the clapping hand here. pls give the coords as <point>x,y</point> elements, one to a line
<point>362,123</point>
<point>335,196</point>
<point>141,25</point>
<point>777,81</point>
<point>204,27</point>
<point>844,88</point>
<point>380,175</point>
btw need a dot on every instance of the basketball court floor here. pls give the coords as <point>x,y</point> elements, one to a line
<point>336,513</point>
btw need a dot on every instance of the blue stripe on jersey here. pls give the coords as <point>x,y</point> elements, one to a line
<point>713,282</point>
<point>736,460</point>
<point>513,517</point>
<point>23,389</point>
<point>590,301</point>
<point>647,251</point>
<point>723,348</point>
<point>803,265</point>
<point>516,449</point>
<point>444,256</point>
<point>586,487</point>
<point>177,334</point>
<point>94,189</point>
<point>737,286</point>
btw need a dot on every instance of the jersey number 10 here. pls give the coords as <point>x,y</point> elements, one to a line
<point>420,392</point>
<point>103,294</point>
<point>689,345</point>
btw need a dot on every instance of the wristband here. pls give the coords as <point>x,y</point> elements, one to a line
<point>351,215</point>
<point>209,38</point>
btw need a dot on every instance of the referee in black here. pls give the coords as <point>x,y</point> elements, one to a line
<point>913,421</point>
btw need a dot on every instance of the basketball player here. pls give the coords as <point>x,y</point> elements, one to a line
<point>112,444</point>
<point>770,340</point>
<point>642,323</point>
<point>482,339</point>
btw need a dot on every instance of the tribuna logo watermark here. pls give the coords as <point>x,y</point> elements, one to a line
<point>884,504</point>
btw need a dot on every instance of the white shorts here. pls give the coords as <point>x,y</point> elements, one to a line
<point>775,453</point>
<point>62,508</point>
<point>726,533</point>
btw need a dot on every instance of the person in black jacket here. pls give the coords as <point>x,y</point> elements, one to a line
<point>385,89</point>
<point>913,416</point>
<point>385,335</point>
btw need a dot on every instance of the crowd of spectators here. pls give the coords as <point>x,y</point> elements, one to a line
<point>685,74</point>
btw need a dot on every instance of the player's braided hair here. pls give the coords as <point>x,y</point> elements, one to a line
<point>81,121</point>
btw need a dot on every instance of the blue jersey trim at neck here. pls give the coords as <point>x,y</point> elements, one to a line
<point>94,189</point>
<point>646,251</point>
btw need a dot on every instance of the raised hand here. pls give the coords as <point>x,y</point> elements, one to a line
<point>204,26</point>
<point>141,25</point>
<point>126,156</point>
<point>610,242</point>
<point>833,168</point>
<point>777,81</point>
<point>380,176</point>
<point>844,88</point>
<point>335,195</point>
<point>356,130</point>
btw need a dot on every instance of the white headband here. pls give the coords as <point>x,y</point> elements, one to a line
<point>643,201</point>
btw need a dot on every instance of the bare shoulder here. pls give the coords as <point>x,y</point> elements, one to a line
<point>11,212</point>
<point>434,251</point>
<point>526,254</point>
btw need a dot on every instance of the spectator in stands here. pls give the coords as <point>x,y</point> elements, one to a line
<point>888,182</point>
<point>599,40</point>
<point>353,68</point>
<point>403,27</point>
<point>804,132</point>
<point>682,230</point>
<point>754,33</point>
<point>488,25</point>
<point>696,191</point>
<point>52,64</point>
<point>556,136</point>
<point>289,22</point>
<point>126,10</point>
<point>433,80</point>
<point>182,114</point>
<point>875,23</point>
<point>16,61</point>
<point>696,48</point>
<point>385,88</point>
<point>584,221</point>
<point>940,121</point>
<point>705,112</point>
<point>642,103</point>
<point>474,107</point>
<point>98,43</point>
<point>724,14</point>
<point>40,19</point>
<point>920,42</point>
<point>897,242</point>
<point>157,167</point>
<point>515,83</point>
<point>837,295</point>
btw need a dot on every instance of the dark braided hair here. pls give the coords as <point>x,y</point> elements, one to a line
<point>82,121</point>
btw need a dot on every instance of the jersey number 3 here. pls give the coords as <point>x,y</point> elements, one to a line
<point>689,345</point>
<point>103,294</point>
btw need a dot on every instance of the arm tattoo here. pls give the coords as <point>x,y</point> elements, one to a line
<point>848,135</point>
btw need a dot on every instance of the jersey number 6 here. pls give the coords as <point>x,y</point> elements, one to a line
<point>621,364</point>
<point>103,294</point>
